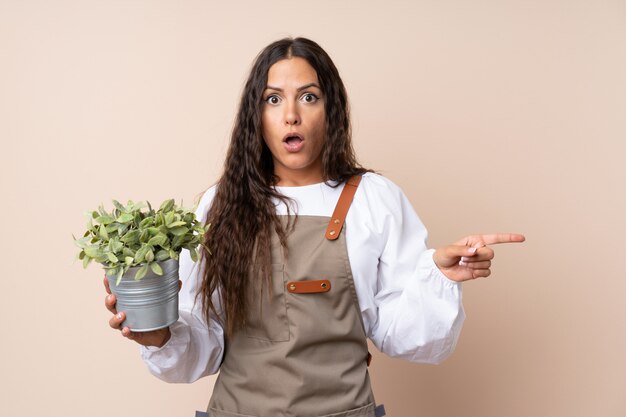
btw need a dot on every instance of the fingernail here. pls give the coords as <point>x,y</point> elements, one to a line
<point>119,316</point>
<point>473,250</point>
<point>462,263</point>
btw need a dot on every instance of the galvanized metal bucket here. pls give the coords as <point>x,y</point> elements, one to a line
<point>150,303</point>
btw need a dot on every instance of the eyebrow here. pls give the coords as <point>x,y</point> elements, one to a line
<point>304,87</point>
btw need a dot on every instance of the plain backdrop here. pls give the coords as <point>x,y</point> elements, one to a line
<point>493,116</point>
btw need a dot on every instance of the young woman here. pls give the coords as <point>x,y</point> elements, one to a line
<point>311,254</point>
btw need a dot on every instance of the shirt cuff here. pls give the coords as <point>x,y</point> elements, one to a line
<point>430,264</point>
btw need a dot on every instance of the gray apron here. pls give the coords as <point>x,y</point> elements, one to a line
<point>303,351</point>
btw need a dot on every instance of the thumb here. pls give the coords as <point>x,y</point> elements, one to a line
<point>450,255</point>
<point>457,251</point>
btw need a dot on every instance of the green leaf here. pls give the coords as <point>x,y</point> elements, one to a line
<point>93,251</point>
<point>141,272</point>
<point>120,273</point>
<point>112,257</point>
<point>128,260</point>
<point>169,218</point>
<point>194,255</point>
<point>162,255</point>
<point>122,228</point>
<point>141,253</point>
<point>119,206</point>
<point>82,242</point>
<point>86,261</point>
<point>179,231</point>
<point>167,205</point>
<point>130,237</point>
<point>125,218</point>
<point>144,236</point>
<point>104,219</point>
<point>176,224</point>
<point>102,232</point>
<point>156,268</point>
<point>149,255</point>
<point>116,246</point>
<point>165,244</point>
<point>177,241</point>
<point>139,205</point>
<point>157,240</point>
<point>147,222</point>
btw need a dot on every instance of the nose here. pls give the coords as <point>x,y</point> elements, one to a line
<point>292,116</point>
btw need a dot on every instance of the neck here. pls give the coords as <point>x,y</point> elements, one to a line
<point>293,176</point>
<point>298,179</point>
<point>298,182</point>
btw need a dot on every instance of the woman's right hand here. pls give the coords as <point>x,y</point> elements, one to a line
<point>153,338</point>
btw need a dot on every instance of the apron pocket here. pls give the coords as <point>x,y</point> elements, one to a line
<point>267,313</point>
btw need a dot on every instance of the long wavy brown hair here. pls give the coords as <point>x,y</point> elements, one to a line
<point>242,214</point>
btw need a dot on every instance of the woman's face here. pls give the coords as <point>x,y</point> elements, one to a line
<point>293,105</point>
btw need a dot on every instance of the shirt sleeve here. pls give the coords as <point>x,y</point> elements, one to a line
<point>420,313</point>
<point>195,348</point>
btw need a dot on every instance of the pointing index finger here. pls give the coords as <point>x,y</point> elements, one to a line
<point>502,238</point>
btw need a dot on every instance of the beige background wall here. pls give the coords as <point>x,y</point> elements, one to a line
<point>491,115</point>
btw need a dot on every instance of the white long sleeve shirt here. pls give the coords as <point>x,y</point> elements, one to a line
<point>410,309</point>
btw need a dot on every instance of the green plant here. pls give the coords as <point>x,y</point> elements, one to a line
<point>129,236</point>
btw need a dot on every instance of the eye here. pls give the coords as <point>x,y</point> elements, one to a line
<point>310,98</point>
<point>273,99</point>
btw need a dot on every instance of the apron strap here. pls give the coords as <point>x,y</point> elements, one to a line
<point>341,209</point>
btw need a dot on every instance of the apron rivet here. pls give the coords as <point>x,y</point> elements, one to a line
<point>324,285</point>
<point>336,221</point>
<point>332,233</point>
<point>292,287</point>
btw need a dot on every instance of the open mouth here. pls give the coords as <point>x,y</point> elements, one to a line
<point>293,138</point>
<point>293,141</point>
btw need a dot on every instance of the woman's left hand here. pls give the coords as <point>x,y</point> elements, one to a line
<point>470,257</point>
